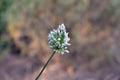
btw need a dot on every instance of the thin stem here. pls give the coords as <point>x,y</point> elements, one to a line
<point>45,66</point>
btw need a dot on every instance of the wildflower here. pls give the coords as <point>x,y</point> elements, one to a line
<point>58,39</point>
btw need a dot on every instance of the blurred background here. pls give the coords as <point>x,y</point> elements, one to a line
<point>94,29</point>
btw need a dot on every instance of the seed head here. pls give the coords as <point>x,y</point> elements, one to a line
<point>58,39</point>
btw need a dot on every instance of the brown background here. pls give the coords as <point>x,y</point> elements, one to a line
<point>94,29</point>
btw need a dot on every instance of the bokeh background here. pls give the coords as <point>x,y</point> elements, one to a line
<point>94,29</point>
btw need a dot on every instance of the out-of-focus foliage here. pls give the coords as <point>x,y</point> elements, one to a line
<point>93,26</point>
<point>30,20</point>
<point>114,7</point>
<point>4,6</point>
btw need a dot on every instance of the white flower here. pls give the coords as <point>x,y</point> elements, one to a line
<point>58,39</point>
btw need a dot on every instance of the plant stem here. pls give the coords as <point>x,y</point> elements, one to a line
<point>45,65</point>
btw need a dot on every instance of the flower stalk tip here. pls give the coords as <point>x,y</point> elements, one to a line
<point>58,39</point>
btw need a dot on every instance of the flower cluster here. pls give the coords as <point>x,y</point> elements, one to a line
<point>58,39</point>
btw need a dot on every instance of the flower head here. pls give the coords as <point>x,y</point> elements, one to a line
<point>58,39</point>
